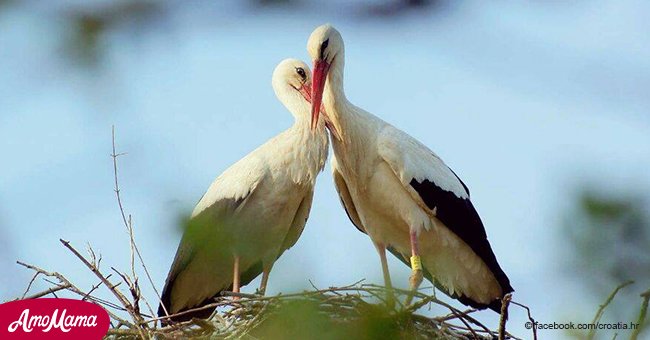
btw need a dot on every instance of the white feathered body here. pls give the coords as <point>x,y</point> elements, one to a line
<point>255,209</point>
<point>373,166</point>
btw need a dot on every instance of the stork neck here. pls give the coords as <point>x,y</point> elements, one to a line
<point>302,122</point>
<point>309,150</point>
<point>339,109</point>
<point>334,85</point>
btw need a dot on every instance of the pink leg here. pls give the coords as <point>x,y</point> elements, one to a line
<point>414,244</point>
<point>384,265</point>
<point>381,249</point>
<point>265,279</point>
<point>235,276</point>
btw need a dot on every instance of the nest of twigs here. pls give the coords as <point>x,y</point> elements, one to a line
<point>358,311</point>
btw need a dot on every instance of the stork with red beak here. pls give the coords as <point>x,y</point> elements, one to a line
<point>252,212</point>
<point>400,193</point>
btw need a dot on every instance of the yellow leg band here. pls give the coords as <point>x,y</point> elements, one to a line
<point>416,264</point>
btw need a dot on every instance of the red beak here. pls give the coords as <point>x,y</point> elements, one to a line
<point>305,90</point>
<point>321,68</point>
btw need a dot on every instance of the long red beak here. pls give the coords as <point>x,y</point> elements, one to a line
<point>305,91</point>
<point>321,68</point>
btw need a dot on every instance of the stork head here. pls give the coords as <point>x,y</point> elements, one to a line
<point>292,85</point>
<point>325,44</point>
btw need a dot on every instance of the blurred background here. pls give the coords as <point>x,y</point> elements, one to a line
<point>543,108</point>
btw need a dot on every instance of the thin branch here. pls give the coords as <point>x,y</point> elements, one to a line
<point>46,292</point>
<point>452,316</point>
<point>312,285</point>
<point>111,287</point>
<point>601,309</point>
<point>530,318</point>
<point>29,286</point>
<point>64,282</point>
<point>240,295</point>
<point>640,323</point>
<point>466,325</point>
<point>92,289</point>
<point>134,289</point>
<point>505,302</point>
<point>129,225</point>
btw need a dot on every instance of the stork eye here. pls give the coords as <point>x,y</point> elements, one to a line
<point>301,72</point>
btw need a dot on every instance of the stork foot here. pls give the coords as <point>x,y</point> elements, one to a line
<point>265,278</point>
<point>415,279</point>
<point>414,282</point>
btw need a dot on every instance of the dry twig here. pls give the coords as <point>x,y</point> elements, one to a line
<point>530,318</point>
<point>505,302</point>
<point>602,307</point>
<point>135,314</point>
<point>642,314</point>
<point>65,284</point>
<point>129,226</point>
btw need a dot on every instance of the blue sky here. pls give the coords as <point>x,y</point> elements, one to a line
<point>526,102</point>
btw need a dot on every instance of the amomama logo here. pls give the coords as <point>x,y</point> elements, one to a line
<point>52,319</point>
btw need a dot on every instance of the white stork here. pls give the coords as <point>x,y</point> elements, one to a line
<point>252,212</point>
<point>400,193</point>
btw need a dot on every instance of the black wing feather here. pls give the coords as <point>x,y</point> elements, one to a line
<point>460,216</point>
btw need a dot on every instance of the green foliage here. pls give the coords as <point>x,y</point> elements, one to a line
<point>609,237</point>
<point>609,243</point>
<point>302,319</point>
<point>357,311</point>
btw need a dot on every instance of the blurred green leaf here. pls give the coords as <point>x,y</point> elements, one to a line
<point>308,319</point>
<point>608,239</point>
